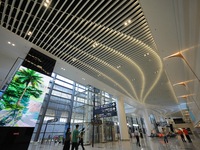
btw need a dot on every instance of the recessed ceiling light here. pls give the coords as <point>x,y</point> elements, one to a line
<point>118,67</point>
<point>45,4</point>
<point>125,23</point>
<point>95,44</point>
<point>129,21</point>
<point>145,55</point>
<point>74,59</point>
<point>9,42</point>
<point>13,44</point>
<point>29,33</point>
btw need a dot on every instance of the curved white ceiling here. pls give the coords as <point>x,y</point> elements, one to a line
<point>120,43</point>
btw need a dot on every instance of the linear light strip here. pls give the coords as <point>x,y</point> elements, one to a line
<point>93,23</point>
<point>9,15</point>
<point>103,13</point>
<point>96,59</point>
<point>16,14</point>
<point>55,25</point>
<point>4,10</point>
<point>29,15</point>
<point>22,16</point>
<point>104,27</point>
<point>135,21</point>
<point>85,30</point>
<point>109,17</point>
<point>35,16</point>
<point>136,45</point>
<point>121,44</point>
<point>77,52</point>
<point>34,30</point>
<point>102,40</point>
<point>93,16</point>
<point>49,14</point>
<point>86,65</point>
<point>120,17</point>
<point>73,23</point>
<point>66,36</point>
<point>49,23</point>
<point>160,64</point>
<point>74,8</point>
<point>130,46</point>
<point>85,24</point>
<point>140,26</point>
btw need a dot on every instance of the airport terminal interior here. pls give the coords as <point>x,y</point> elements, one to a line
<point>125,71</point>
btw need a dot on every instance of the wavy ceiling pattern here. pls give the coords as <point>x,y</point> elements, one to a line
<point>109,40</point>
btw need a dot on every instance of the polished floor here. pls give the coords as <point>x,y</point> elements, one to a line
<point>147,143</point>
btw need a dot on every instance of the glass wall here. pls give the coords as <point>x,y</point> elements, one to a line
<point>67,104</point>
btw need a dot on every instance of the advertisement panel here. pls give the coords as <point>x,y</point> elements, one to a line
<point>21,102</point>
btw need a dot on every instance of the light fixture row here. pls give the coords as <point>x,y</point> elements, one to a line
<point>11,43</point>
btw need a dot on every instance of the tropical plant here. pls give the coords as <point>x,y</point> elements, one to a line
<point>17,96</point>
<point>27,77</point>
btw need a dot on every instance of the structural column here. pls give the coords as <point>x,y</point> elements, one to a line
<point>147,122</point>
<point>122,120</point>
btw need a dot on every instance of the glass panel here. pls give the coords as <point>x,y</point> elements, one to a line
<point>65,79</point>
<point>64,84</point>
<point>60,94</point>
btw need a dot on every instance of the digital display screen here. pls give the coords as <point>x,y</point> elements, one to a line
<point>21,102</point>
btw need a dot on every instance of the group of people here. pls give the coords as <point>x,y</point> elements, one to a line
<point>76,139</point>
<point>180,132</point>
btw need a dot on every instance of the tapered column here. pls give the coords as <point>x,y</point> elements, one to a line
<point>147,122</point>
<point>122,120</point>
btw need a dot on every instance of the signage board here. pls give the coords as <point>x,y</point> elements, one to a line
<point>106,110</point>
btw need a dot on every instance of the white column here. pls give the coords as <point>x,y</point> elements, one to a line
<point>122,120</point>
<point>87,126</point>
<point>87,118</point>
<point>102,132</point>
<point>147,122</point>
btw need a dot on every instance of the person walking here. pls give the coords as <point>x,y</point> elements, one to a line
<point>180,132</point>
<point>81,138</point>
<point>67,140</point>
<point>136,133</point>
<point>75,137</point>
<point>185,131</point>
<point>165,135</point>
<point>141,135</point>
